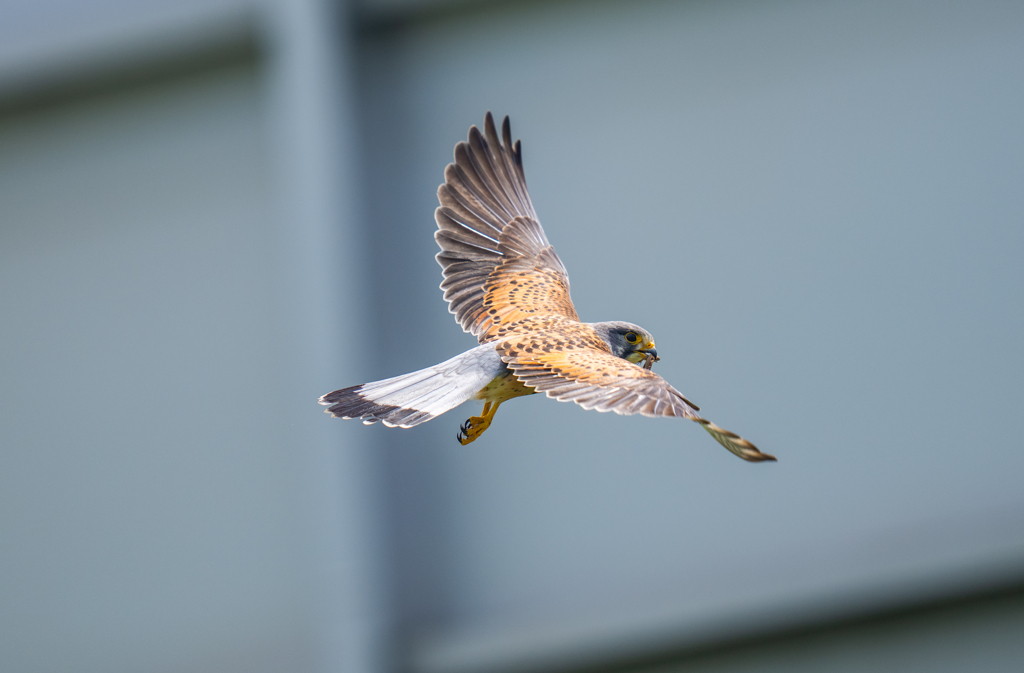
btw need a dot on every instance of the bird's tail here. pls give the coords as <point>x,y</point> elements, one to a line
<point>411,399</point>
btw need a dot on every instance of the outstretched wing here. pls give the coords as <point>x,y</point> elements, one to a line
<point>571,363</point>
<point>498,265</point>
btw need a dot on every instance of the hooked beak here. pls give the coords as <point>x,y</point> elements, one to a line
<point>650,357</point>
<point>650,351</point>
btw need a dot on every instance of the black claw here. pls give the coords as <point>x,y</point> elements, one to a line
<point>464,430</point>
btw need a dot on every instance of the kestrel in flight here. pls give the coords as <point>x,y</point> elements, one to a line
<point>507,287</point>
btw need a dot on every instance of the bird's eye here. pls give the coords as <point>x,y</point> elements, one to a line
<point>632,338</point>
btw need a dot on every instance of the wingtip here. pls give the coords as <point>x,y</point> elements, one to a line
<point>736,444</point>
<point>760,457</point>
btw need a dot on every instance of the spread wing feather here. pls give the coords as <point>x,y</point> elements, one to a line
<point>497,263</point>
<point>573,364</point>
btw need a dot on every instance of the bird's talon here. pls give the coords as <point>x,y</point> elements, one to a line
<point>472,429</point>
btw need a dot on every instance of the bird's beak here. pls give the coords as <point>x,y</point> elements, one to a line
<point>650,357</point>
<point>651,351</point>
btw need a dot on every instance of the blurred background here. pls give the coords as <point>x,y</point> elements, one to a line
<point>214,211</point>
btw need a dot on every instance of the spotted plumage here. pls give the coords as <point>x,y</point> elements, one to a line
<point>506,286</point>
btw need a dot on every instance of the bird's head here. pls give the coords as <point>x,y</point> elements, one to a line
<point>626,340</point>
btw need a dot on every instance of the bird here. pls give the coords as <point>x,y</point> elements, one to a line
<point>506,286</point>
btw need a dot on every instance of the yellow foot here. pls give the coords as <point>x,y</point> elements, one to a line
<point>472,428</point>
<point>475,426</point>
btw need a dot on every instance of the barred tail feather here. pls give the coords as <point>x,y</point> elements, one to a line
<point>414,398</point>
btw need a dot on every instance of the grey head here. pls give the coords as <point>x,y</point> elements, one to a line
<point>626,340</point>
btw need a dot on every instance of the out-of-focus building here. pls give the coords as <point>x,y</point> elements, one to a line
<point>212,212</point>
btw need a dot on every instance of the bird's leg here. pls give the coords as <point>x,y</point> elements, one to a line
<point>475,426</point>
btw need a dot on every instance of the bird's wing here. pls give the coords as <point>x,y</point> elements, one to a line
<point>570,363</point>
<point>498,265</point>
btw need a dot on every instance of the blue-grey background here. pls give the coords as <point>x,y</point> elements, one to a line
<point>212,213</point>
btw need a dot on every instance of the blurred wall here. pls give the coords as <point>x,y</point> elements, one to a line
<point>172,287</point>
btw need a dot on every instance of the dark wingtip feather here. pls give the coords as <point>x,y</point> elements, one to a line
<point>736,444</point>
